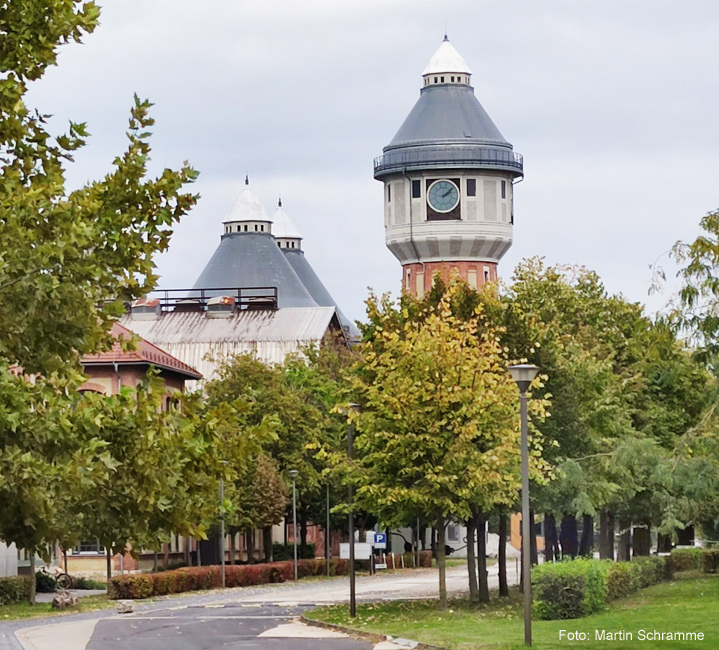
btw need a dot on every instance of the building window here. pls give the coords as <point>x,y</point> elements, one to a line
<point>245,228</point>
<point>452,533</point>
<point>504,189</point>
<point>471,187</point>
<point>262,228</point>
<point>486,274</point>
<point>452,79</point>
<point>90,546</point>
<point>389,193</point>
<point>435,80</point>
<point>416,189</point>
<point>441,79</point>
<point>472,279</point>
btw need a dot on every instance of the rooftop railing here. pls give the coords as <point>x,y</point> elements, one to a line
<point>420,157</point>
<point>192,300</point>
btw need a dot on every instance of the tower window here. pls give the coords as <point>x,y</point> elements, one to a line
<point>504,189</point>
<point>435,80</point>
<point>389,193</point>
<point>262,228</point>
<point>416,189</point>
<point>441,79</point>
<point>471,187</point>
<point>279,244</point>
<point>246,228</point>
<point>255,227</point>
<point>452,78</point>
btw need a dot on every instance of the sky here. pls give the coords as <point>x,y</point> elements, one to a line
<point>612,103</point>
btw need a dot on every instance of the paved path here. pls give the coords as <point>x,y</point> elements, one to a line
<point>263,618</point>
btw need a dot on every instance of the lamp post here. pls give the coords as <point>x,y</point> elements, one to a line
<point>350,496</point>
<point>327,532</point>
<point>293,475</point>
<point>222,529</point>
<point>523,375</point>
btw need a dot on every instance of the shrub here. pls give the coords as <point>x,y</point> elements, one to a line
<point>710,560</point>
<point>44,583</point>
<point>686,559</point>
<point>648,571</point>
<point>281,552</point>
<point>15,589</point>
<point>131,586</point>
<point>620,580</point>
<point>569,589</point>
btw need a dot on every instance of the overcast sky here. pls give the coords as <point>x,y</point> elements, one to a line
<point>613,104</point>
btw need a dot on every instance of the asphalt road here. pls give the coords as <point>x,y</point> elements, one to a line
<point>238,626</point>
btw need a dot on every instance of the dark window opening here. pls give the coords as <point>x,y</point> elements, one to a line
<point>504,189</point>
<point>435,80</point>
<point>416,189</point>
<point>245,228</point>
<point>389,194</point>
<point>471,187</point>
<point>452,79</point>
<point>255,227</point>
<point>441,79</point>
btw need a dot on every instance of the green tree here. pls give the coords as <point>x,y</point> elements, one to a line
<point>70,261</point>
<point>438,426</point>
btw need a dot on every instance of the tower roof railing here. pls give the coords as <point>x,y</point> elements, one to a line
<point>176,300</point>
<point>416,157</point>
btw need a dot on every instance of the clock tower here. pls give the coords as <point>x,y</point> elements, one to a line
<point>448,179</point>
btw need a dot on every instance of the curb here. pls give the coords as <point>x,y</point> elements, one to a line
<point>372,637</point>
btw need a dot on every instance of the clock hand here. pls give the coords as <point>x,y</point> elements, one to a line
<point>447,193</point>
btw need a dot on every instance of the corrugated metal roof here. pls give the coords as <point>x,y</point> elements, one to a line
<point>253,259</point>
<point>281,325</point>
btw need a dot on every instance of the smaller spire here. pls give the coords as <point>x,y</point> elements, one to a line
<point>279,202</point>
<point>247,179</point>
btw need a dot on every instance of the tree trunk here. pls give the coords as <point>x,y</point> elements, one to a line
<point>232,546</point>
<point>482,558</point>
<point>154,562</point>
<point>440,563</point>
<point>533,539</point>
<point>33,585</point>
<point>502,555</point>
<point>606,535</point>
<point>685,537</point>
<point>471,562</point>
<point>199,554</point>
<point>586,545</point>
<point>624,548</point>
<point>250,547</point>
<point>568,536</point>
<point>551,545</point>
<point>664,543</point>
<point>303,536</point>
<point>642,538</point>
<point>267,542</point>
<point>109,566</point>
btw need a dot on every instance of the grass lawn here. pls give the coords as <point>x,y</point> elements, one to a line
<point>690,603</point>
<point>41,610</point>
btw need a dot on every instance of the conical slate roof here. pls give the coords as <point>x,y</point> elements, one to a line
<point>448,127</point>
<point>314,285</point>
<point>250,259</point>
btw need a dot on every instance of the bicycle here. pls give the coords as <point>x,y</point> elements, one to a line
<point>61,579</point>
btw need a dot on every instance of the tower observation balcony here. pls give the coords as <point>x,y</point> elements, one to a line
<point>446,156</point>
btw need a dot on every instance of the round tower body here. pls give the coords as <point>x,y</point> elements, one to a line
<point>448,179</point>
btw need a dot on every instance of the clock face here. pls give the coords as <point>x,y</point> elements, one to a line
<point>443,196</point>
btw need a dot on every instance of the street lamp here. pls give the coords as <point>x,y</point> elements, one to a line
<point>293,475</point>
<point>350,495</point>
<point>523,375</point>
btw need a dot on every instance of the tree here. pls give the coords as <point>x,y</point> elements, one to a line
<point>70,261</point>
<point>438,426</point>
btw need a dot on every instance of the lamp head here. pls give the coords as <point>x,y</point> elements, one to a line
<point>523,375</point>
<point>293,474</point>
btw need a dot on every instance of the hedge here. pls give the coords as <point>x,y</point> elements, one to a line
<point>580,587</point>
<point>686,559</point>
<point>710,560</point>
<point>15,589</point>
<point>144,585</point>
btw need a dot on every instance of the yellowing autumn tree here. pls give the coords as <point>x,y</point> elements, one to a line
<point>438,428</point>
